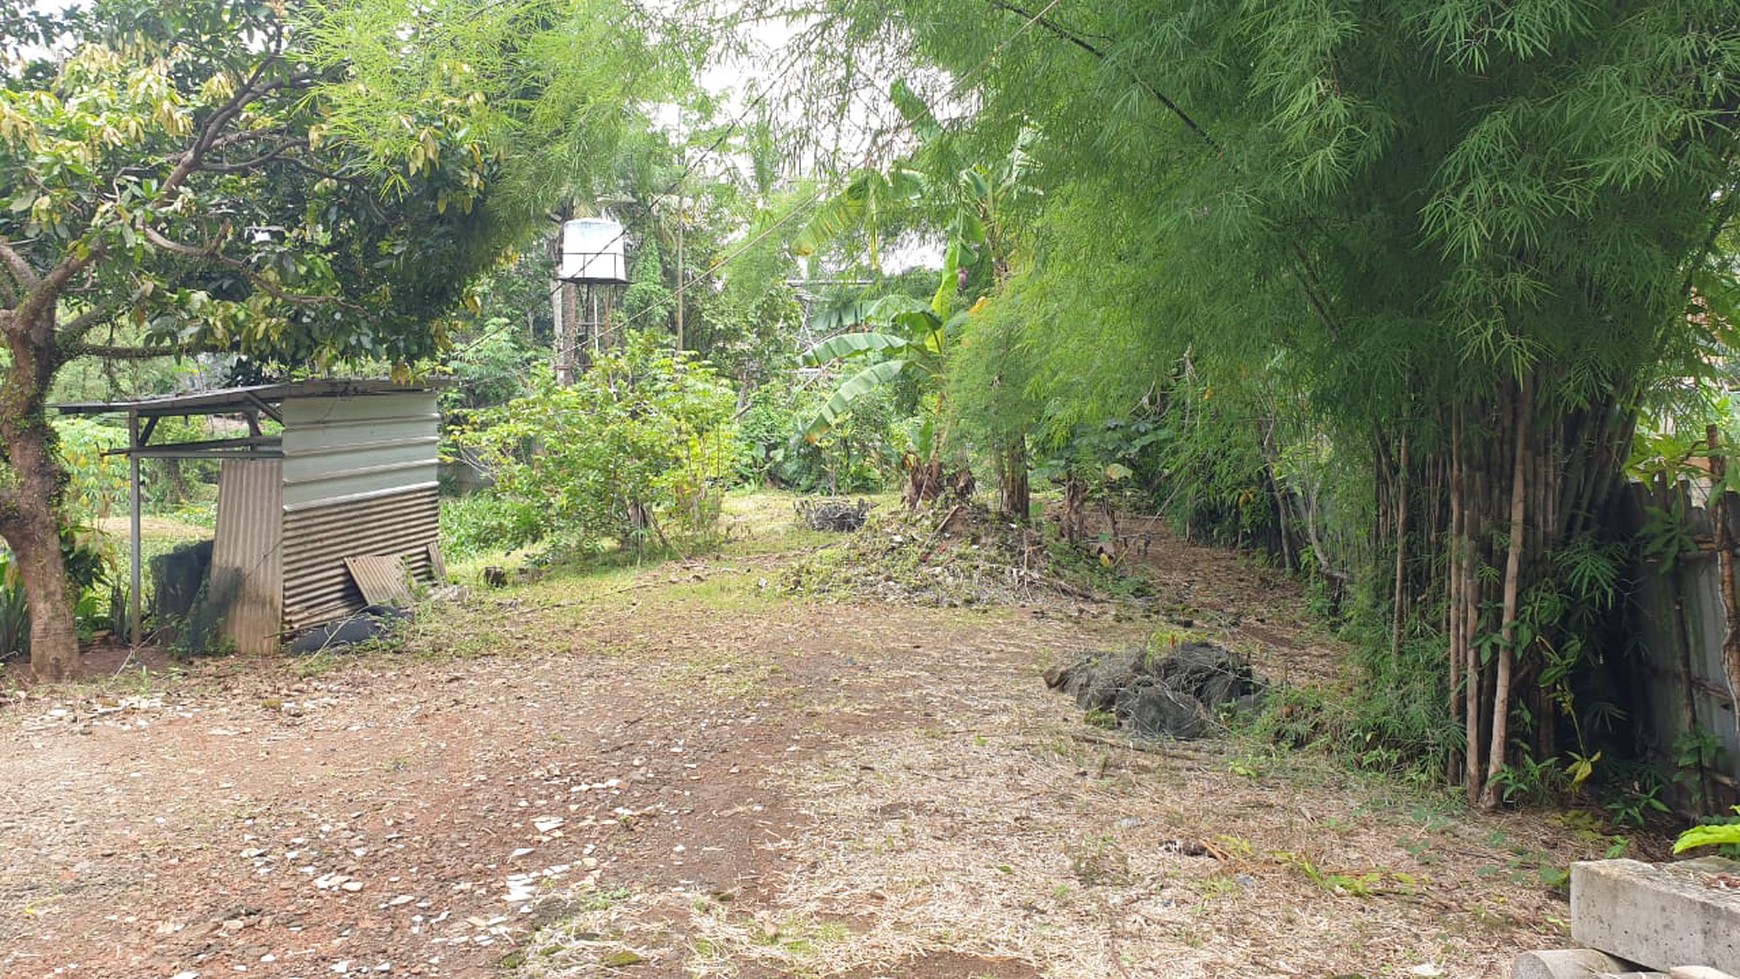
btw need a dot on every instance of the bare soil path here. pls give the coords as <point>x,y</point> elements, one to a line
<point>682,773</point>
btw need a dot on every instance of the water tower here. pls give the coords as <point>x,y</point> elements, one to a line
<point>591,258</point>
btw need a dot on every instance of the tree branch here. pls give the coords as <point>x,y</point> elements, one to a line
<point>210,253</point>
<point>1079,40</point>
<point>264,158</point>
<point>75,329</point>
<point>107,351</point>
<point>22,273</point>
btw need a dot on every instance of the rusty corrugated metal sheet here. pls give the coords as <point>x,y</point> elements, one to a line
<point>1661,598</point>
<point>245,560</point>
<point>317,539</point>
<point>381,579</point>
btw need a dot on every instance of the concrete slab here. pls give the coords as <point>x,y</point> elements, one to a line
<point>1658,915</point>
<point>1567,963</point>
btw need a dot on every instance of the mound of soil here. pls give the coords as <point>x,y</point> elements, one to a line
<point>1177,694</point>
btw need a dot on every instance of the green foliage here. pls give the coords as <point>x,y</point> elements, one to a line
<point>633,454</point>
<point>99,483</point>
<point>1633,804</point>
<point>915,342</point>
<point>484,523</point>
<point>14,611</point>
<point>859,454</point>
<point>1724,833</point>
<point>1395,725</point>
<point>557,124</point>
<point>491,369</point>
<point>747,323</point>
<point>991,380</point>
<point>647,303</point>
<point>237,251</point>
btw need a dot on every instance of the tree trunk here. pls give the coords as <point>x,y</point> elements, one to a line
<point>1399,600</point>
<point>31,484</point>
<point>1473,677</point>
<point>1458,555</point>
<point>1725,566</point>
<point>176,488</point>
<point>1074,502</point>
<point>54,640</point>
<point>570,340</point>
<point>1015,497</point>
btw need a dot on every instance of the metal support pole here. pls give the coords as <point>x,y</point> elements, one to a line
<point>137,549</point>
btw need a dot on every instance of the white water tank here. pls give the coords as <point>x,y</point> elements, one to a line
<point>592,252</point>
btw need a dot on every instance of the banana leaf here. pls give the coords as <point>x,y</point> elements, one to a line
<point>852,345</point>
<point>853,388</point>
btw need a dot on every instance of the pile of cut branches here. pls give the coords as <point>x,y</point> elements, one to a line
<point>832,514</point>
<point>951,556</point>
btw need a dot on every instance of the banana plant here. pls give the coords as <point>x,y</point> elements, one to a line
<point>908,338</point>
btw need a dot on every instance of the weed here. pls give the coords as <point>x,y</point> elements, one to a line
<point>1420,848</point>
<point>1100,861</point>
<point>1532,782</point>
<point>1217,885</point>
<point>1101,719</point>
<point>1232,846</point>
<point>1365,884</point>
<point>1634,806</point>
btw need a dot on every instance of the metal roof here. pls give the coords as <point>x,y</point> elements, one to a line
<point>257,397</point>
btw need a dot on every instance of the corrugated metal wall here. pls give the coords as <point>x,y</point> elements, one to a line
<point>1663,680</point>
<point>359,478</point>
<point>317,539</point>
<point>245,568</point>
<point>349,448</point>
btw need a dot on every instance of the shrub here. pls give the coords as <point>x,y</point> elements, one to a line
<point>484,522</point>
<point>856,455</point>
<point>632,453</point>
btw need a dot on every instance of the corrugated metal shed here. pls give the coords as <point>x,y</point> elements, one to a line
<point>351,474</point>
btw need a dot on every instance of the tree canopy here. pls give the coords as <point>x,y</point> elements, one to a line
<point>294,184</point>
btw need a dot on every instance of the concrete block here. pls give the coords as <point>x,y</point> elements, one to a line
<point>1697,972</point>
<point>1566,963</point>
<point>1657,915</point>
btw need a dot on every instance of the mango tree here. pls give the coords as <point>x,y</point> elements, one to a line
<point>168,186</point>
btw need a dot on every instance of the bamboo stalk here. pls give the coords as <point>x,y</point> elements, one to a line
<point>1721,508</point>
<point>1401,558</point>
<point>1512,579</point>
<point>1453,584</point>
<point>1473,681</point>
<point>1688,695</point>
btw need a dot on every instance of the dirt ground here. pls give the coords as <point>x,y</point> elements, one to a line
<point>683,772</point>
